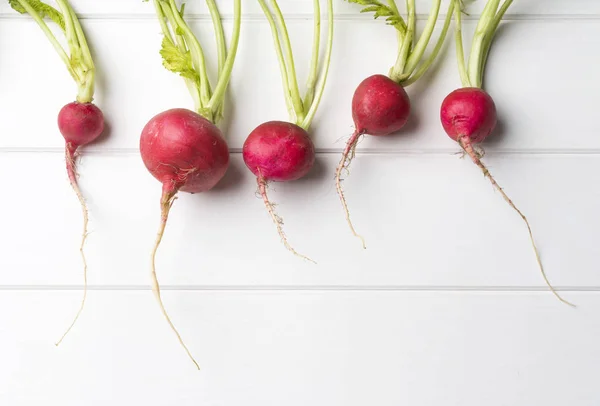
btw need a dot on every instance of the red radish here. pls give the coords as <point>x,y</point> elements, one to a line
<point>80,122</point>
<point>183,149</point>
<point>288,142</point>
<point>283,151</point>
<point>468,114</point>
<point>380,105</point>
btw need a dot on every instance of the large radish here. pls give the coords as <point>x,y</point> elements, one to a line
<point>80,122</point>
<point>468,114</point>
<point>380,105</point>
<point>278,151</point>
<point>184,149</point>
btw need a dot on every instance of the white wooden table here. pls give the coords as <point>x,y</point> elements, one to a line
<point>445,307</point>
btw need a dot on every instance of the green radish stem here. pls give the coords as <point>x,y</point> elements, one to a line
<point>78,61</point>
<point>293,89</point>
<point>406,43</point>
<point>460,51</point>
<point>311,82</point>
<point>410,62</point>
<point>221,46</point>
<point>471,73</point>
<point>301,109</point>
<point>418,72</point>
<point>320,86</point>
<point>182,53</point>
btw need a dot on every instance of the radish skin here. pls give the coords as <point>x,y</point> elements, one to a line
<point>184,151</point>
<point>289,143</point>
<point>380,106</point>
<point>469,113</point>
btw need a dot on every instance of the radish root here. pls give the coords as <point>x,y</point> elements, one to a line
<point>466,145</point>
<point>347,156</point>
<point>167,200</point>
<point>70,157</point>
<point>262,189</point>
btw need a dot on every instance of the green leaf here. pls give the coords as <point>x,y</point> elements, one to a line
<point>381,10</point>
<point>43,9</point>
<point>369,9</point>
<point>177,61</point>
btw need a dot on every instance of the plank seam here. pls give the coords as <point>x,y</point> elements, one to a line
<point>308,288</point>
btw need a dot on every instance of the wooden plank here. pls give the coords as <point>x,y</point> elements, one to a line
<point>527,77</point>
<point>299,348</point>
<point>429,220</point>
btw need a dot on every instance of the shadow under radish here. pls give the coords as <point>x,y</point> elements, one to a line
<point>233,178</point>
<point>496,138</point>
<point>318,172</point>
<point>106,134</point>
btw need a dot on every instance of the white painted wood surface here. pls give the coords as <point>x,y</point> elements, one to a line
<point>446,305</point>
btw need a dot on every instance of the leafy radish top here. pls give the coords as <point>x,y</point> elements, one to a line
<point>78,59</point>
<point>182,53</point>
<point>410,64</point>
<point>301,109</point>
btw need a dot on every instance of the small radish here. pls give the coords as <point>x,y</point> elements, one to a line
<point>281,151</point>
<point>468,114</point>
<point>80,122</point>
<point>183,149</point>
<point>380,105</point>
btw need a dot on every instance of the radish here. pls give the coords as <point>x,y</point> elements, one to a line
<point>380,105</point>
<point>184,149</point>
<point>278,151</point>
<point>80,122</point>
<point>468,114</point>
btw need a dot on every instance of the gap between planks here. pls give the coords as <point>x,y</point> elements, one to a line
<point>308,288</point>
